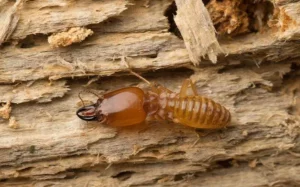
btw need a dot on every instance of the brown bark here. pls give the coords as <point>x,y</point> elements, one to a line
<point>257,79</point>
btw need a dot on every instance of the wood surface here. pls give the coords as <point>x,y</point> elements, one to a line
<point>252,67</point>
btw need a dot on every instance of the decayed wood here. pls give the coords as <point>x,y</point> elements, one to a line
<point>100,55</point>
<point>163,49</point>
<point>104,53</point>
<point>53,16</point>
<point>73,35</point>
<point>63,143</point>
<point>25,92</point>
<point>45,144</point>
<point>144,16</point>
<point>9,20</point>
<point>197,30</point>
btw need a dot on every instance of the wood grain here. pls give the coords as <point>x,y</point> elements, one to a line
<point>257,79</point>
<point>199,44</point>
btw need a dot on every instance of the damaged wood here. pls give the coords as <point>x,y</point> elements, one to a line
<point>238,17</point>
<point>257,131</point>
<point>9,20</point>
<point>40,91</point>
<point>99,55</point>
<point>44,143</point>
<point>197,30</point>
<point>43,17</point>
<point>73,35</point>
<point>144,16</point>
<point>5,110</point>
<point>163,50</point>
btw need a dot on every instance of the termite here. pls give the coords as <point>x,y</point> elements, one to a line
<point>133,105</point>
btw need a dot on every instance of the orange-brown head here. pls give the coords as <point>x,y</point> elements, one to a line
<point>122,107</point>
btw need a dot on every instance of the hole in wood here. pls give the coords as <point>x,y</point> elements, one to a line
<point>32,41</point>
<point>179,177</point>
<point>291,88</point>
<point>5,44</point>
<point>236,17</point>
<point>124,175</point>
<point>232,18</point>
<point>28,42</point>
<point>225,163</point>
<point>205,2</point>
<point>170,13</point>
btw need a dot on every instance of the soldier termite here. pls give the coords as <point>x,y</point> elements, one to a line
<point>133,105</point>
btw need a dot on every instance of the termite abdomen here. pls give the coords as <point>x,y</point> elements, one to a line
<point>198,112</point>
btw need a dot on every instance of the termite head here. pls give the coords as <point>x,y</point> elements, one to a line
<point>121,107</point>
<point>92,112</point>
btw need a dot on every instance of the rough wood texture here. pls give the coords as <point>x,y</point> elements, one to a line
<point>43,17</point>
<point>45,144</point>
<point>9,20</point>
<point>27,91</point>
<point>198,44</point>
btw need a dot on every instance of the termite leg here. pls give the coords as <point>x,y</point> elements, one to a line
<point>154,86</point>
<point>124,62</point>
<point>109,165</point>
<point>88,91</point>
<point>143,127</point>
<point>198,138</point>
<point>81,98</point>
<point>184,88</point>
<point>201,134</point>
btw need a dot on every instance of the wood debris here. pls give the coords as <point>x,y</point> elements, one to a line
<point>5,111</point>
<point>73,35</point>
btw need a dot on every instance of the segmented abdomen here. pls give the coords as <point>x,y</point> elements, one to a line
<point>196,111</point>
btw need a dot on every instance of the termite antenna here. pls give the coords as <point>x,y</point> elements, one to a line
<point>123,60</point>
<point>88,91</point>
<point>81,98</point>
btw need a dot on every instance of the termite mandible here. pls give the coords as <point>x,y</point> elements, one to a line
<point>133,105</point>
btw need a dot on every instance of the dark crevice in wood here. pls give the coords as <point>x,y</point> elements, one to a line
<point>32,41</point>
<point>205,2</point>
<point>267,11</point>
<point>244,17</point>
<point>124,175</point>
<point>170,13</point>
<point>225,163</point>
